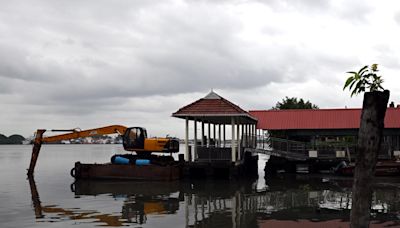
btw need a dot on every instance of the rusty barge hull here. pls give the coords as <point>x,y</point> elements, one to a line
<point>126,172</point>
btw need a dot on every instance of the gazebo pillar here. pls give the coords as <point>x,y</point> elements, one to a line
<point>219,135</point>
<point>255,135</point>
<point>209,135</point>
<point>224,135</point>
<point>242,133</point>
<point>247,135</point>
<point>233,141</point>
<point>202,133</point>
<point>195,139</point>
<point>238,139</point>
<point>214,135</point>
<point>252,134</point>
<point>187,139</point>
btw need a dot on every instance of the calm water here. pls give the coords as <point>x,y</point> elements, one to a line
<point>53,199</point>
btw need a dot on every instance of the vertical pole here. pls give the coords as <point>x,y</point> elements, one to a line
<point>187,139</point>
<point>255,136</point>
<point>238,139</point>
<point>224,136</point>
<point>243,135</point>
<point>214,135</point>
<point>195,139</point>
<point>263,138</point>
<point>251,134</point>
<point>209,134</point>
<point>233,142</point>
<point>247,135</point>
<point>219,135</point>
<point>202,133</point>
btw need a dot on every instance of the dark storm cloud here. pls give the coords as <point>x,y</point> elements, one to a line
<point>87,57</point>
<point>85,62</point>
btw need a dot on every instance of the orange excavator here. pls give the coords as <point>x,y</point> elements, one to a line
<point>133,138</point>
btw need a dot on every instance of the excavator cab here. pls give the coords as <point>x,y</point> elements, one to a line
<point>134,138</point>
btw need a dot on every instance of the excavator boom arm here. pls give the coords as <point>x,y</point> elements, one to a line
<point>86,133</point>
<point>39,139</point>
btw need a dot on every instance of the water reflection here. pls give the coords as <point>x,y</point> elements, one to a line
<point>297,200</point>
<point>140,198</point>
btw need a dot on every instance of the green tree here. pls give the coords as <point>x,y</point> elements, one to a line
<point>13,139</point>
<point>294,103</point>
<point>3,139</point>
<point>16,139</point>
<point>369,139</point>
<point>365,78</point>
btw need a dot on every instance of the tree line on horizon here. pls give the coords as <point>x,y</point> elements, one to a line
<point>12,139</point>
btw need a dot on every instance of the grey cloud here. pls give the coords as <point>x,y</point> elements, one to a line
<point>387,56</point>
<point>77,61</point>
<point>166,53</point>
<point>298,4</point>
<point>355,11</point>
<point>397,17</point>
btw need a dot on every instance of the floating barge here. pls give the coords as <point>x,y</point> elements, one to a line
<point>126,172</point>
<point>131,167</point>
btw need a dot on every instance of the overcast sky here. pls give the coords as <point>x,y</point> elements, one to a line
<point>67,64</point>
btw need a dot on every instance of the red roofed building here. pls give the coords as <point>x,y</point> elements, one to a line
<point>322,125</point>
<point>321,119</point>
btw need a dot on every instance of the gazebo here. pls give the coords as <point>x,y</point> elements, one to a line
<point>216,113</point>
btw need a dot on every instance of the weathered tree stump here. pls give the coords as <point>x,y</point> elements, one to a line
<point>368,145</point>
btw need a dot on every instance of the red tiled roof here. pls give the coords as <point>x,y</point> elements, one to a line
<point>212,104</point>
<point>318,119</point>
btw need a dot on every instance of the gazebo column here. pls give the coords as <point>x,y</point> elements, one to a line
<point>195,139</point>
<point>214,135</point>
<point>202,133</point>
<point>247,135</point>
<point>252,135</point>
<point>255,135</point>
<point>187,139</point>
<point>233,141</point>
<point>219,135</point>
<point>242,133</point>
<point>224,135</point>
<point>263,138</point>
<point>238,140</point>
<point>209,135</point>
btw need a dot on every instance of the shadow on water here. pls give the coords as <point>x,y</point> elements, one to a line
<point>288,200</point>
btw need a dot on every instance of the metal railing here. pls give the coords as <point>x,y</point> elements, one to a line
<point>324,149</point>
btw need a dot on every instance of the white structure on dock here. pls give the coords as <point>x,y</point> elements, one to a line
<point>216,113</point>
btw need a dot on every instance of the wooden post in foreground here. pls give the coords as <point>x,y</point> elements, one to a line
<point>368,146</point>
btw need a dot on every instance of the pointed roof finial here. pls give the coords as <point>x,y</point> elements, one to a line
<point>212,95</point>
